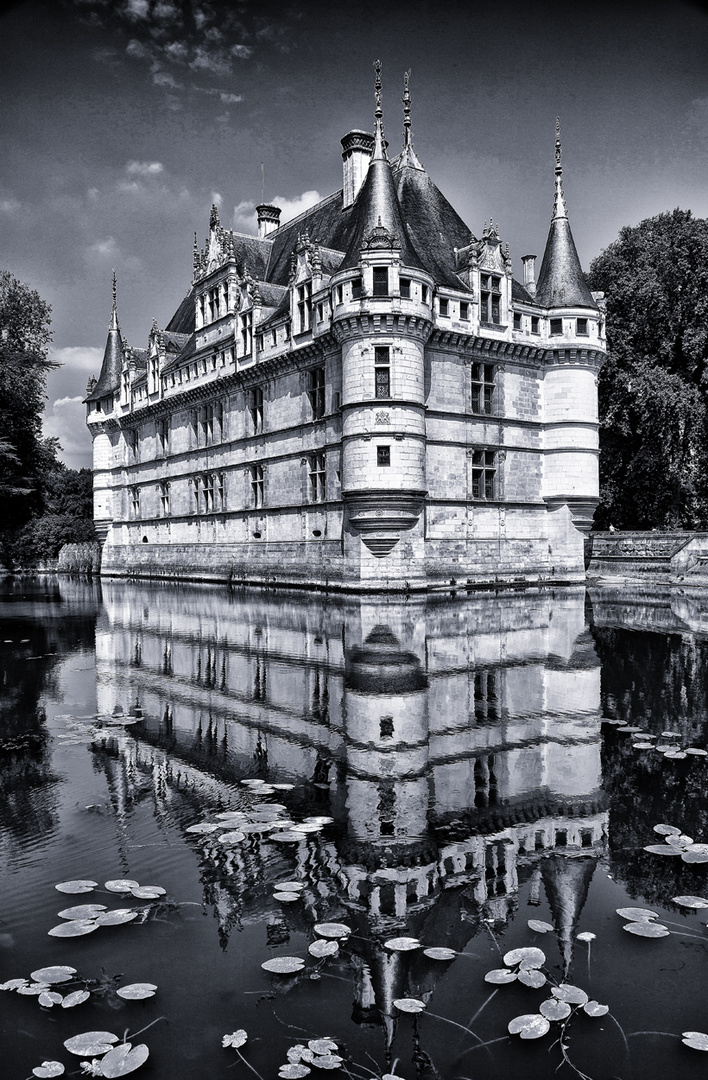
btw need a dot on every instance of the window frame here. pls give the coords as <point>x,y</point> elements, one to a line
<point>383,456</point>
<point>257,485</point>
<point>484,474</point>
<point>490,298</point>
<point>382,372</point>
<point>316,391</point>
<point>483,388</point>
<point>317,467</point>
<point>380,281</point>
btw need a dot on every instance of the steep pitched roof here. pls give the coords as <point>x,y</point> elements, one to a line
<point>326,223</point>
<point>433,225</point>
<point>182,322</point>
<point>109,379</point>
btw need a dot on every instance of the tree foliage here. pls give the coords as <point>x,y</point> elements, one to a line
<point>653,388</point>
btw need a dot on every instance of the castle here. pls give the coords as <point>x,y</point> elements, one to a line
<point>361,398</point>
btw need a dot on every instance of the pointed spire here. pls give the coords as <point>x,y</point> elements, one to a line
<point>195,255</point>
<point>408,155</point>
<point>113,325</point>
<point>214,217</point>
<point>109,379</point>
<point>379,140</point>
<point>561,282</point>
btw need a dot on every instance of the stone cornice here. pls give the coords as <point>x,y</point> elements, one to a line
<point>367,324</point>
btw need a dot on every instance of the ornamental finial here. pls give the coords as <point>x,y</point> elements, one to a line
<point>559,167</point>
<point>406,111</point>
<point>559,207</point>
<point>377,90</point>
<point>113,325</point>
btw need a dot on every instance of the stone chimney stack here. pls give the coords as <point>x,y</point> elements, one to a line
<point>529,262</point>
<point>268,219</point>
<point>357,148</point>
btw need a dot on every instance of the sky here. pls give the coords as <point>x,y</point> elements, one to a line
<point>121,121</point>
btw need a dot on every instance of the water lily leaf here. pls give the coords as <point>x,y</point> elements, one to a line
<point>667,830</point>
<point>408,1005</point>
<point>540,927</point>
<point>289,886</point>
<point>49,1068</point>
<point>233,837</point>
<point>288,837</point>
<point>50,998</point>
<point>56,974</point>
<point>671,734</point>
<point>555,1009</point>
<point>15,984</point>
<point>529,1026</point>
<point>675,755</point>
<point>327,1061</point>
<point>137,991</point>
<point>77,998</point>
<point>318,819</point>
<point>76,886</point>
<point>529,958</point>
<point>293,1071</point>
<point>282,787</point>
<point>232,815</point>
<point>122,885</point>
<point>322,948</point>
<point>283,965</point>
<point>124,1059</point>
<point>91,1043</point>
<point>572,994</point>
<point>440,953</point>
<point>642,746</point>
<point>295,1053</point>
<point>77,928</point>
<point>587,935</point>
<point>638,914</point>
<point>532,977</point>
<point>253,782</point>
<point>307,827</point>
<point>402,944</point>
<point>32,989</point>
<point>333,929</point>
<point>630,730</point>
<point>235,1039</point>
<point>203,827</point>
<point>286,897</point>
<point>594,1008</point>
<point>696,751</point>
<point>695,854</point>
<point>662,849</point>
<point>148,892</point>
<point>499,976</point>
<point>116,917</point>
<point>82,911</point>
<point>322,1046</point>
<point>647,929</point>
<point>695,902</point>
<point>695,1039</point>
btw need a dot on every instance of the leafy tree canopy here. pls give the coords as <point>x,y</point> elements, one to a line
<point>653,388</point>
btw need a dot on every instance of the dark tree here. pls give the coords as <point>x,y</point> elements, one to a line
<point>654,386</point>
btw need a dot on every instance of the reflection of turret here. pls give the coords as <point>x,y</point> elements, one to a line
<point>567,882</point>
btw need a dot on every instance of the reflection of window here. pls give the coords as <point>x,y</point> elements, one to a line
<point>482,388</point>
<point>486,695</point>
<point>387,808</point>
<point>490,298</point>
<point>318,478</point>
<point>255,406</point>
<point>383,456</point>
<point>484,470</point>
<point>316,392</point>
<point>382,371</point>
<point>257,485</point>
<point>165,498</point>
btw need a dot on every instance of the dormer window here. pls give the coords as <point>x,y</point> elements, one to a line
<point>556,327</point>
<point>380,281</point>
<point>490,298</point>
<point>517,320</point>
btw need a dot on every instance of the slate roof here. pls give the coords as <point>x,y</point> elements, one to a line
<point>109,379</point>
<point>561,282</point>
<point>182,322</point>
<point>433,225</point>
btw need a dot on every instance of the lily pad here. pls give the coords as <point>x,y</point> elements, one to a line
<point>409,1005</point>
<point>594,1008</point>
<point>82,911</point>
<point>694,902</point>
<point>289,886</point>
<point>572,994</point>
<point>293,1071</point>
<point>48,1068</point>
<point>148,892</point>
<point>638,914</point>
<point>440,953</point>
<point>322,1046</point>
<point>235,836</point>
<point>662,849</point>
<point>14,984</point>
<point>529,1026</point>
<point>327,1061</point>
<point>137,991</point>
<point>696,751</point>
<point>695,1039</point>
<point>318,819</point>
<point>203,827</point>
<point>80,886</point>
<point>500,976</point>
<point>32,989</point>
<point>307,827</point>
<point>124,1060</point>
<point>667,830</point>
<point>235,1039</point>
<point>695,854</point>
<point>284,965</point>
<point>58,974</point>
<point>116,917</point>
<point>77,928</point>
<point>532,977</point>
<point>540,927</point>
<point>122,885</point>
<point>333,929</point>
<point>287,837</point>
<point>402,944</point>
<point>77,998</point>
<point>91,1043</point>
<point>646,929</point>
<point>50,998</point>
<point>555,1009</point>
<point>587,935</point>
<point>322,948</point>
<point>528,958</point>
<point>286,897</point>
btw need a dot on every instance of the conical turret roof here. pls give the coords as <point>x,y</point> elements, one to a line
<point>567,882</point>
<point>561,282</point>
<point>109,379</point>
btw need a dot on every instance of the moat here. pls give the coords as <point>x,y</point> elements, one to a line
<point>427,811</point>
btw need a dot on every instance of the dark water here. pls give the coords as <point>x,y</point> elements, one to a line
<point>463,748</point>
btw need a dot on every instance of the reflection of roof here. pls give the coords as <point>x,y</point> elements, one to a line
<point>382,666</point>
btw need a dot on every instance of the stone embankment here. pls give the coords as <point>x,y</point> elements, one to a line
<point>671,558</point>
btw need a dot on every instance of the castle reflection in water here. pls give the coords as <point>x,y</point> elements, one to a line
<point>456,743</point>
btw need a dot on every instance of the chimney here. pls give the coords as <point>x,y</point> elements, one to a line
<point>357,148</point>
<point>268,219</point>
<point>529,262</point>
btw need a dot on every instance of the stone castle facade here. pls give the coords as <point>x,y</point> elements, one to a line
<point>361,398</point>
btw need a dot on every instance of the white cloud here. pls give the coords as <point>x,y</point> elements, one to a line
<point>166,11</point>
<point>65,419</point>
<point>217,198</point>
<point>144,168</point>
<point>137,9</point>
<point>245,218</point>
<point>9,204</point>
<point>230,99</point>
<point>215,61</point>
<point>104,248</point>
<point>241,52</point>
<point>137,50</point>
<point>176,50</point>
<point>163,78</point>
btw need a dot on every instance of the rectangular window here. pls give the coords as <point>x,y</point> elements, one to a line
<point>318,478</point>
<point>406,288</point>
<point>534,324</point>
<point>133,444</point>
<point>556,327</point>
<point>490,298</point>
<point>164,499</point>
<point>356,289</point>
<point>163,434</point>
<point>484,470</point>
<point>304,307</point>
<point>274,338</point>
<point>426,294</point>
<point>246,332</point>
<point>135,502</point>
<point>194,499</point>
<point>255,407</point>
<point>257,486</point>
<point>464,310</point>
<point>517,320</point>
<point>208,483</point>
<point>220,494</point>
<point>444,306</point>
<point>320,312</point>
<point>382,371</point>
<point>383,456</point>
<point>483,388</point>
<point>339,294</point>
<point>316,392</point>
<point>218,429</point>
<point>581,327</point>
<point>380,281</point>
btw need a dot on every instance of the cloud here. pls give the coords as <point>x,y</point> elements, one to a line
<point>177,51</point>
<point>144,168</point>
<point>163,78</point>
<point>230,99</point>
<point>215,61</point>
<point>65,419</point>
<point>241,52</point>
<point>104,248</point>
<point>166,11</point>
<point>245,218</point>
<point>9,204</point>
<point>137,9</point>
